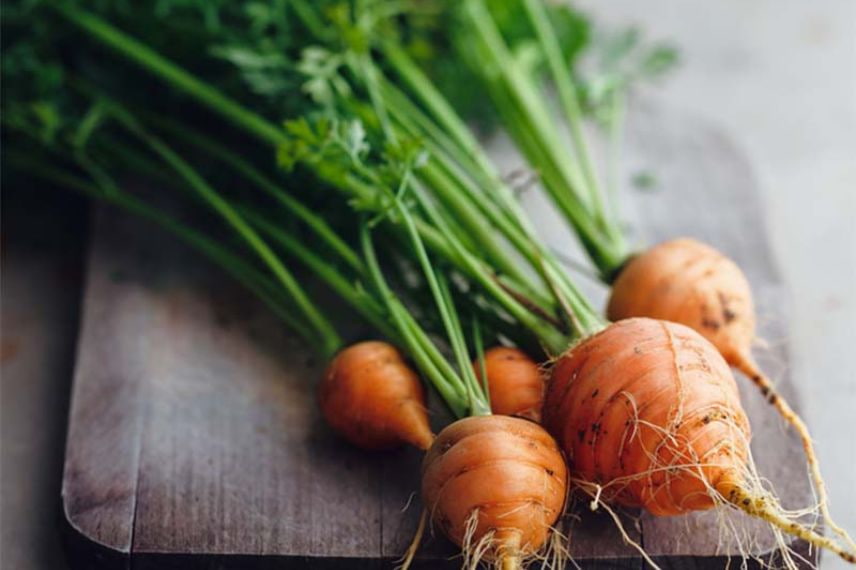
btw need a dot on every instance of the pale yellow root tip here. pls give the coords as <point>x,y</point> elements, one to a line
<point>510,562</point>
<point>508,554</point>
<point>407,560</point>
<point>766,509</point>
<point>747,366</point>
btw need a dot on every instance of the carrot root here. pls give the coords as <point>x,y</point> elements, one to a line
<point>688,282</point>
<point>515,382</point>
<point>508,556</point>
<point>410,554</point>
<point>767,509</point>
<point>495,486</point>
<point>649,415</point>
<point>374,399</point>
<point>510,562</point>
<point>745,364</point>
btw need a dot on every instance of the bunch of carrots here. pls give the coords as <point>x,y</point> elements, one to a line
<point>312,122</point>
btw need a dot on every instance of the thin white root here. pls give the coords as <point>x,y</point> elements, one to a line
<point>596,503</point>
<point>766,509</point>
<point>748,367</point>
<point>557,556</point>
<point>410,554</point>
<point>596,500</point>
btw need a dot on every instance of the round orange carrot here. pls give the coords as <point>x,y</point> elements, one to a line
<point>373,399</point>
<point>644,394</point>
<point>495,485</point>
<point>648,414</point>
<point>515,382</point>
<point>688,282</point>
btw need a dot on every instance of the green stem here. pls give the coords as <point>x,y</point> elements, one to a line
<point>242,166</point>
<point>567,95</point>
<point>479,346</point>
<point>523,113</point>
<point>260,127</point>
<point>453,197</point>
<point>357,299</point>
<point>155,63</point>
<point>500,207</point>
<point>479,402</point>
<point>331,339</point>
<point>366,69</point>
<point>457,139</point>
<point>446,310</point>
<point>445,384</point>
<point>255,281</point>
<point>524,242</point>
<point>587,320</point>
<point>309,18</point>
<point>440,241</point>
<point>523,93</point>
<point>551,337</point>
<point>427,93</point>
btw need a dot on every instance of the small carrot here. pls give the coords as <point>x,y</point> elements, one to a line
<point>682,280</point>
<point>373,399</point>
<point>648,414</point>
<point>515,382</point>
<point>495,485</point>
<point>725,468</point>
<point>688,282</point>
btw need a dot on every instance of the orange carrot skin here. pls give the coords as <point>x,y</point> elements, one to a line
<point>507,469</point>
<point>371,397</point>
<point>688,282</point>
<point>515,381</point>
<point>649,410</point>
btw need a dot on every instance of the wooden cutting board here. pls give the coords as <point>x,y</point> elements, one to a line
<point>194,439</point>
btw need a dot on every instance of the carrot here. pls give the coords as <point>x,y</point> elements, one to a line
<point>495,485</point>
<point>449,213</point>
<point>373,399</point>
<point>648,414</point>
<point>688,282</point>
<point>682,280</point>
<point>515,382</point>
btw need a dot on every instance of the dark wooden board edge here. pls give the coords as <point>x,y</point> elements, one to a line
<point>89,555</point>
<point>85,553</point>
<point>43,242</point>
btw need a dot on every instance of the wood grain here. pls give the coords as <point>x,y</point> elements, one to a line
<point>195,441</point>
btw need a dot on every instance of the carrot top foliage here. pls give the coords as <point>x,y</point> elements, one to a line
<point>210,95</point>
